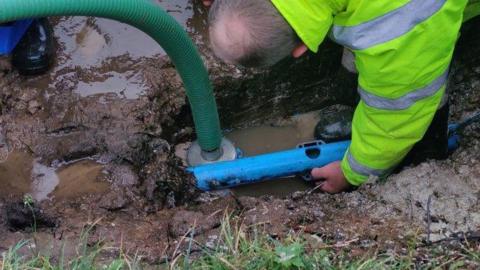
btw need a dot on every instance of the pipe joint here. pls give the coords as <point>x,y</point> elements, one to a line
<point>196,156</point>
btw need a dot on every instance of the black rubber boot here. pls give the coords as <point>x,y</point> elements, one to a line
<point>335,124</point>
<point>34,53</point>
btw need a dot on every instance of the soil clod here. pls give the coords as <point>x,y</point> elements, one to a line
<point>21,216</point>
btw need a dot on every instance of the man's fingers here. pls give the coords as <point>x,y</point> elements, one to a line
<point>300,50</point>
<point>317,173</point>
<point>325,186</point>
<point>332,176</point>
<point>328,187</point>
<point>207,2</point>
<point>322,173</point>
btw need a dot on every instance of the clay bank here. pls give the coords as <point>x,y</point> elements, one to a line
<point>100,142</point>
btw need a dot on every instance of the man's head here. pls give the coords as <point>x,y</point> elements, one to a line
<point>251,33</point>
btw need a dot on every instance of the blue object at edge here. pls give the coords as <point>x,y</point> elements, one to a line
<point>10,35</point>
<point>254,169</point>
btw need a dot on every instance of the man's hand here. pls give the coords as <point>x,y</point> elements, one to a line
<point>333,179</point>
<point>207,2</point>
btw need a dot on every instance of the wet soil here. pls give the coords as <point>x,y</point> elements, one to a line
<point>98,134</point>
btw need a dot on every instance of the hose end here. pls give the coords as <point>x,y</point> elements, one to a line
<point>196,156</point>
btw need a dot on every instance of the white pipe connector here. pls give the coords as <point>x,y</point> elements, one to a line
<point>196,156</point>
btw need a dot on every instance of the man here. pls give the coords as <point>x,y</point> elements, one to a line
<point>34,54</point>
<point>402,49</point>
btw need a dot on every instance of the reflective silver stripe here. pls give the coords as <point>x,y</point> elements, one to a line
<point>405,101</point>
<point>386,27</point>
<point>364,170</point>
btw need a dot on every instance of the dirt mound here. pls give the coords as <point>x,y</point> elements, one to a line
<point>435,193</point>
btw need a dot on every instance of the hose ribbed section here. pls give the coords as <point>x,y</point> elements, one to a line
<point>154,21</point>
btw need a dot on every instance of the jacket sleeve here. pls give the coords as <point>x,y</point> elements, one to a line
<point>382,136</point>
<point>401,84</point>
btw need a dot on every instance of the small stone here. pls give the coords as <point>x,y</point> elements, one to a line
<point>3,147</point>
<point>290,206</point>
<point>33,106</point>
<point>27,94</point>
<point>183,220</point>
<point>389,244</point>
<point>318,214</point>
<point>314,241</point>
<point>247,203</point>
<point>464,169</point>
<point>366,243</point>
<point>114,200</point>
<point>123,175</point>
<point>297,195</point>
<point>20,106</point>
<point>212,241</point>
<point>170,200</point>
<point>339,236</point>
<point>475,84</point>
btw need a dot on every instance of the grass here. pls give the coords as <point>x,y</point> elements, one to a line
<point>86,258</point>
<point>242,247</point>
<point>237,249</point>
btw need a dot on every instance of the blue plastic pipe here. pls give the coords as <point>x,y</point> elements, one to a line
<point>250,170</point>
<point>255,169</point>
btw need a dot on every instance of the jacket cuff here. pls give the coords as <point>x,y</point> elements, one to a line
<point>352,177</point>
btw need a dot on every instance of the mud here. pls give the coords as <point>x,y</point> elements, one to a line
<point>107,119</point>
<point>21,216</point>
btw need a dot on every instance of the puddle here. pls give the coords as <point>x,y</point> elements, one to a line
<point>128,85</point>
<point>81,178</point>
<point>21,174</point>
<point>44,181</point>
<point>16,174</point>
<point>96,56</point>
<point>265,139</point>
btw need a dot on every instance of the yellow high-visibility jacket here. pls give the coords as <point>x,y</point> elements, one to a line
<point>403,50</point>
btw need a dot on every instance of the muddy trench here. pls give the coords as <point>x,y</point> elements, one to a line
<point>98,143</point>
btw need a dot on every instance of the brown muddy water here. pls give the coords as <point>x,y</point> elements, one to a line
<point>283,135</point>
<point>22,174</point>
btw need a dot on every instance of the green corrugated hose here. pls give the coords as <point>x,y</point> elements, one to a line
<point>154,21</point>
